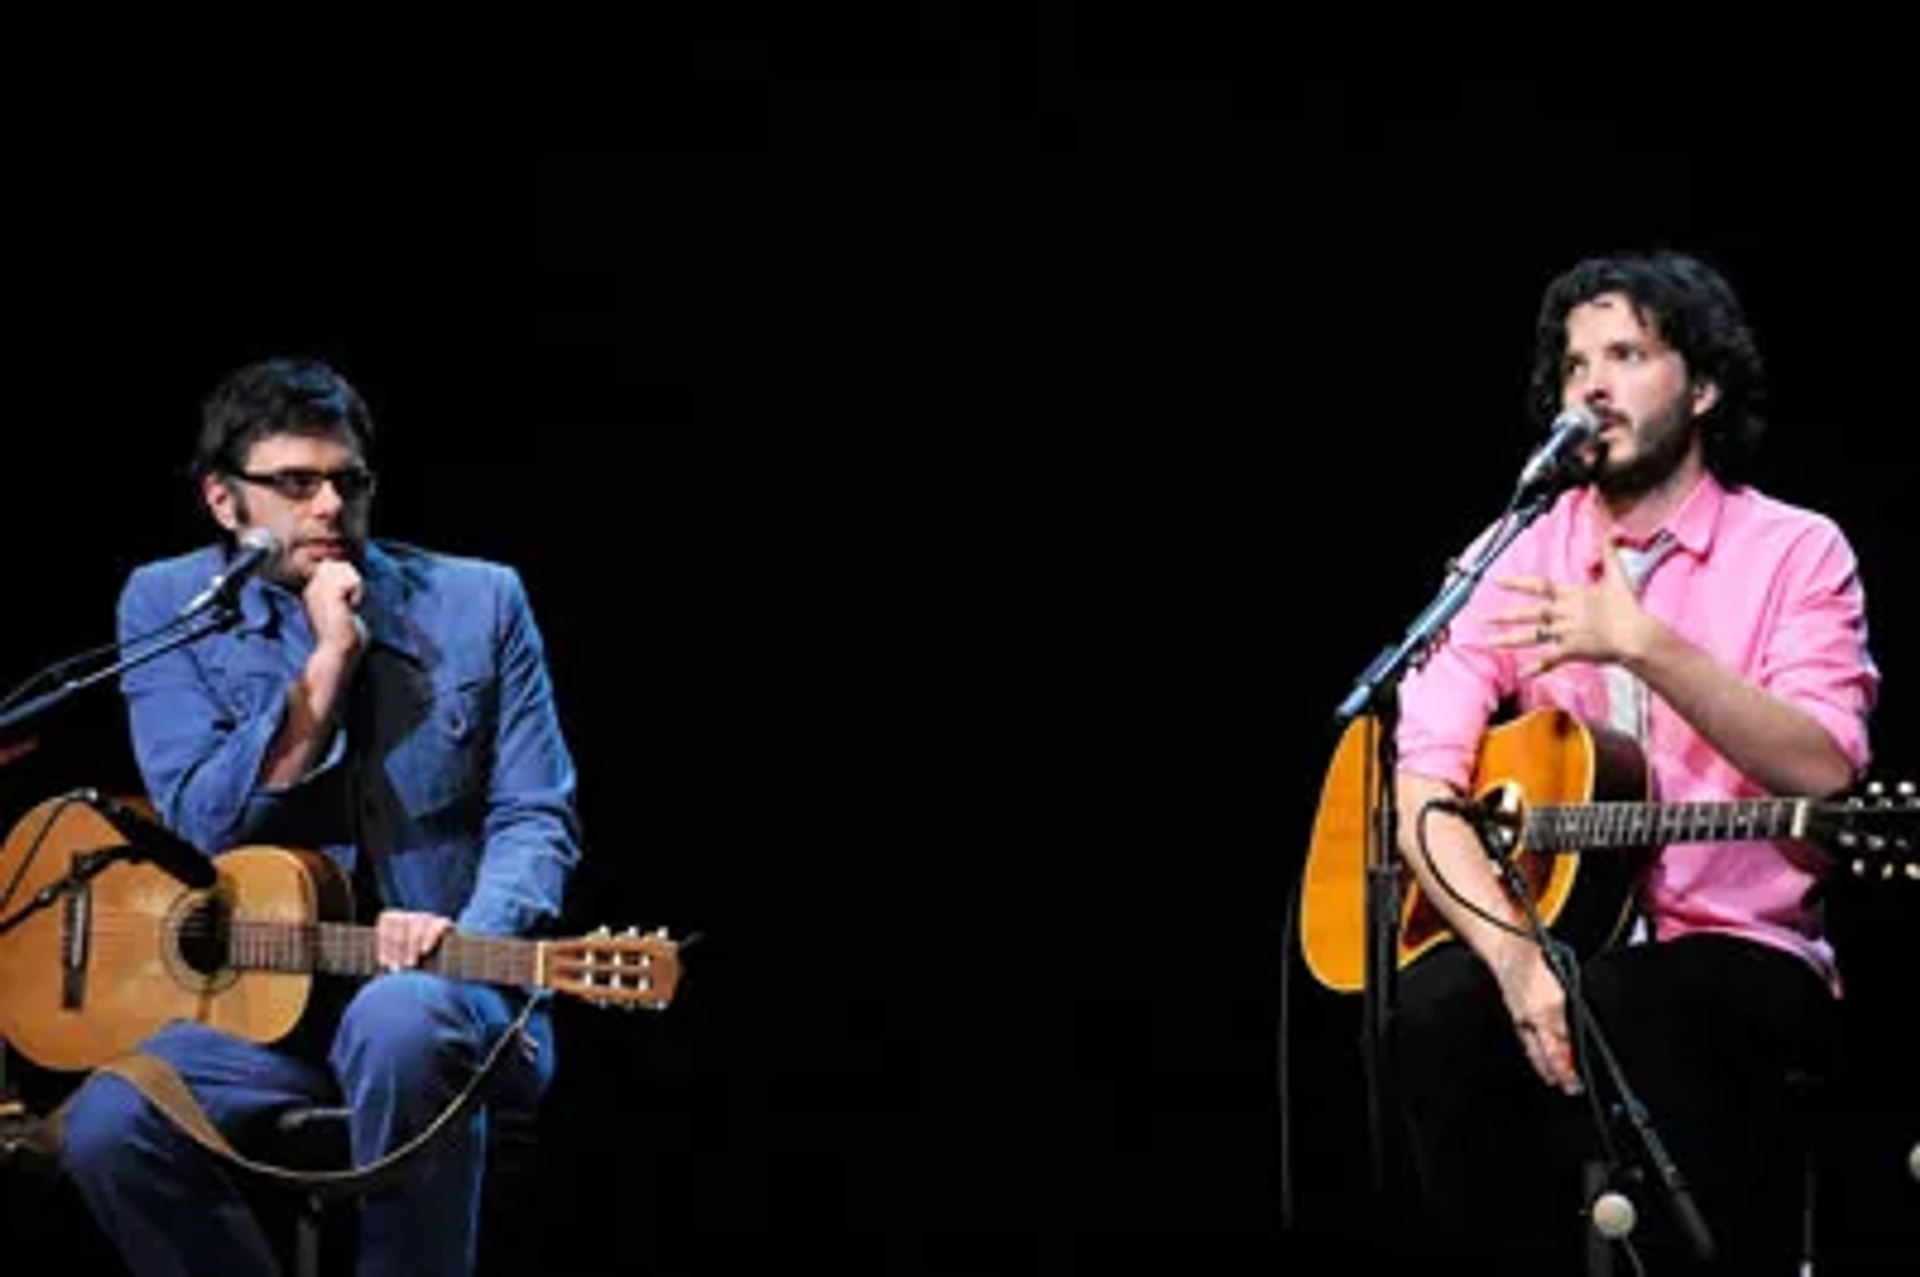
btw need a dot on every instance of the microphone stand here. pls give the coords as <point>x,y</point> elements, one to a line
<point>212,621</point>
<point>1375,695</point>
<point>86,865</point>
<point>21,1129</point>
<point>1496,836</point>
<point>175,633</point>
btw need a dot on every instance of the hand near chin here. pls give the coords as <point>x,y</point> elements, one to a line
<point>332,599</point>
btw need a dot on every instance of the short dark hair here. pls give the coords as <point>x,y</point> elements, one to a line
<point>1695,310</point>
<point>292,394</point>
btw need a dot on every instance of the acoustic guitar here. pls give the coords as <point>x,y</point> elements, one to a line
<point>1548,784</point>
<point>129,949</point>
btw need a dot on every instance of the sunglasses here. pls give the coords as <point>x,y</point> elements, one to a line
<point>298,483</point>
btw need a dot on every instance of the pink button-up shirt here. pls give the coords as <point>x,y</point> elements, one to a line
<point>1770,590</point>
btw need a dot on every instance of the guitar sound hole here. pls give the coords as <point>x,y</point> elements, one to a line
<point>203,936</point>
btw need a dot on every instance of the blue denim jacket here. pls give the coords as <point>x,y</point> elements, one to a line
<point>449,771</point>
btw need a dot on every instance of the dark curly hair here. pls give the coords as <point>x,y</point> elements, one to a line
<point>1694,310</point>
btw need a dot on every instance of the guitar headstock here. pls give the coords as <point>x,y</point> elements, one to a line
<point>629,970</point>
<point>1875,833</point>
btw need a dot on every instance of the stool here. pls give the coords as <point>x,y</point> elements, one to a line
<point>1607,1222</point>
<point>312,1137</point>
<point>316,1137</point>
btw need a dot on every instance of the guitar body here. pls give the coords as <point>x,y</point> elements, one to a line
<point>1544,757</point>
<point>91,975</point>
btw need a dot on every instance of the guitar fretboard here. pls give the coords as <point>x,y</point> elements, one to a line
<point>1634,824</point>
<point>348,949</point>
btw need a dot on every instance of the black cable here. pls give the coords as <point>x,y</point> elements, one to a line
<point>1459,809</point>
<point>1283,1053</point>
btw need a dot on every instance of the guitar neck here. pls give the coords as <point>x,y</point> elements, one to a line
<point>337,948</point>
<point>1638,824</point>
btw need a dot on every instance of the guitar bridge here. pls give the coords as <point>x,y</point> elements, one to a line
<point>76,925</point>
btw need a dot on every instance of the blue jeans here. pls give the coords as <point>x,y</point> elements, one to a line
<point>405,1045</point>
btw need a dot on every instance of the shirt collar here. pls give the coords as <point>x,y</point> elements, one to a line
<point>1691,527</point>
<point>383,606</point>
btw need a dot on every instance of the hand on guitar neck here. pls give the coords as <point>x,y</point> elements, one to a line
<point>402,939</point>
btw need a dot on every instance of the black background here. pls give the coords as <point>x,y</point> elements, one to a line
<point>959,465</point>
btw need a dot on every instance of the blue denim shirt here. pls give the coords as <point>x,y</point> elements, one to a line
<point>449,771</point>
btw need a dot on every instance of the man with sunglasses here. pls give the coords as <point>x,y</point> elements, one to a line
<point>392,708</point>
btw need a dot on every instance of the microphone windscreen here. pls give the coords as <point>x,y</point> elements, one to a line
<point>258,538</point>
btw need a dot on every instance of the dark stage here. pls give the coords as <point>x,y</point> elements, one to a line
<point>959,470</point>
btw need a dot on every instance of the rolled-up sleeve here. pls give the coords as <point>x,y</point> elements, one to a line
<point>1817,655</point>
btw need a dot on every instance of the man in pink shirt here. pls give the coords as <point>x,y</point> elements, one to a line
<point>1725,632</point>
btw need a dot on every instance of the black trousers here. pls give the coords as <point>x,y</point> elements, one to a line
<point>1708,1032</point>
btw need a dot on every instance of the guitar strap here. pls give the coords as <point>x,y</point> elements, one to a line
<point>158,1081</point>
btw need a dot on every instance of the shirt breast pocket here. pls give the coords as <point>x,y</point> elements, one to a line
<point>250,694</point>
<point>439,760</point>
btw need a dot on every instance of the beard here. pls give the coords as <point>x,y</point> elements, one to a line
<point>353,530</point>
<point>1662,444</point>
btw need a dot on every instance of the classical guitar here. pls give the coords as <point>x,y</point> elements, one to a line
<point>1550,784</point>
<point>119,952</point>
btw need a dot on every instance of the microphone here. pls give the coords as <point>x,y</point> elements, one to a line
<point>1556,463</point>
<point>151,841</point>
<point>1497,824</point>
<point>258,547</point>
